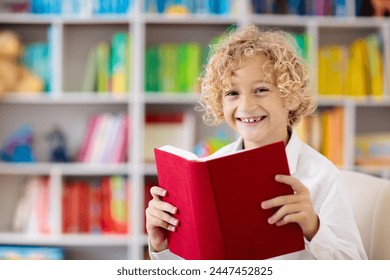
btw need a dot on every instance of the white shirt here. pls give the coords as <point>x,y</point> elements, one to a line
<point>338,236</point>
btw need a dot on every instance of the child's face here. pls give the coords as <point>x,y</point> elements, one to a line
<point>253,107</point>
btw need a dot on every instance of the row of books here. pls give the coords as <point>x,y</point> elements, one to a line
<point>175,68</point>
<point>79,7</point>
<point>108,66</point>
<point>219,7</point>
<point>105,139</point>
<point>97,206</point>
<point>32,214</point>
<point>354,70</point>
<point>94,206</point>
<point>301,7</point>
<point>324,131</point>
<point>171,67</point>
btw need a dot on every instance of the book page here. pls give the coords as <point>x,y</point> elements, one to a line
<point>179,152</point>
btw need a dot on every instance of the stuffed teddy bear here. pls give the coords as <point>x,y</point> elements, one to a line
<point>14,77</point>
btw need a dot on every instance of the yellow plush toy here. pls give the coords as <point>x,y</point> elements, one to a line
<point>14,77</point>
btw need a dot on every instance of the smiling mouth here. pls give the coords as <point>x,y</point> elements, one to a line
<point>252,120</point>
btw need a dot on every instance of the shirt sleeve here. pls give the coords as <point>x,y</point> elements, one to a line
<point>163,255</point>
<point>338,236</point>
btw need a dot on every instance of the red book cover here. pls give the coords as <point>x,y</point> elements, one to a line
<point>218,203</point>
<point>106,224</point>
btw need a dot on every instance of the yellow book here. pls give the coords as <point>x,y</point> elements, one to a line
<point>337,69</point>
<point>357,80</point>
<point>323,71</point>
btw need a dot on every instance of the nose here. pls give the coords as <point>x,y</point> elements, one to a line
<point>246,103</point>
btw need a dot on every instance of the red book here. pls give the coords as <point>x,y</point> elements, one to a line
<point>218,203</point>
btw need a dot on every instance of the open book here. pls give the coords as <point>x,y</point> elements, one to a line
<point>218,203</point>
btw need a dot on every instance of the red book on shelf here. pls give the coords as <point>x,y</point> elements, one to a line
<point>218,203</point>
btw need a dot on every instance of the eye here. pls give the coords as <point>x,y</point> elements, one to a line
<point>261,90</point>
<point>231,93</point>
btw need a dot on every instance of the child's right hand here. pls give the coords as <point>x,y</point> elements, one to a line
<point>159,219</point>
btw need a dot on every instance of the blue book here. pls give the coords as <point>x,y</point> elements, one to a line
<point>160,4</point>
<point>339,8</point>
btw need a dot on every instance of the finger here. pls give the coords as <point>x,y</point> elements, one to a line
<point>291,218</point>
<point>295,184</point>
<point>160,218</point>
<point>156,191</point>
<point>279,201</point>
<point>154,222</point>
<point>162,206</point>
<point>283,212</point>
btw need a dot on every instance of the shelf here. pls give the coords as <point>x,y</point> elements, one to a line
<point>66,169</point>
<point>150,169</point>
<point>65,239</point>
<point>70,98</point>
<point>24,18</point>
<point>188,19</point>
<point>170,98</point>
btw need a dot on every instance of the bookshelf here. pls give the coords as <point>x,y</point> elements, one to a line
<point>67,106</point>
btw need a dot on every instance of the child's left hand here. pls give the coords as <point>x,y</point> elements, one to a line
<point>295,208</point>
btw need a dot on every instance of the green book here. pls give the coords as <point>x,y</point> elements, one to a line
<point>194,58</point>
<point>102,62</point>
<point>152,77</point>
<point>182,67</point>
<point>89,79</point>
<point>168,67</point>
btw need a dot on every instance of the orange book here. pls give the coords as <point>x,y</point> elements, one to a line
<point>218,203</point>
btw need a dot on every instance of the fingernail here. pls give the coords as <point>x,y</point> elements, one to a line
<point>174,221</point>
<point>171,228</point>
<point>164,193</point>
<point>174,210</point>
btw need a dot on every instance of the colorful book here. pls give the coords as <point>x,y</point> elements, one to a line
<point>119,63</point>
<point>204,193</point>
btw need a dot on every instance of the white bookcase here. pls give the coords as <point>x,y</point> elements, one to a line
<point>70,108</point>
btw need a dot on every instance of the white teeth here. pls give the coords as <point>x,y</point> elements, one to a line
<point>250,120</point>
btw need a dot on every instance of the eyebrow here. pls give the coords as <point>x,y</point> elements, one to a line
<point>233,85</point>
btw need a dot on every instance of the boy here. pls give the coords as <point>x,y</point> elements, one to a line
<point>257,84</point>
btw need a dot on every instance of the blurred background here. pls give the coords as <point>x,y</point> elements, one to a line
<point>89,87</point>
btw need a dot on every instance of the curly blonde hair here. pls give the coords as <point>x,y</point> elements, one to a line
<point>287,71</point>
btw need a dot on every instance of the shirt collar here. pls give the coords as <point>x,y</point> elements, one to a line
<point>293,150</point>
